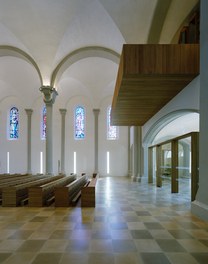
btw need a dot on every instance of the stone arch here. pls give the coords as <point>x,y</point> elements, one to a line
<point>18,53</point>
<point>163,121</point>
<point>76,55</point>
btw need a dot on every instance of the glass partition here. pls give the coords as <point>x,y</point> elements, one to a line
<point>184,165</point>
<point>174,164</point>
<point>166,161</point>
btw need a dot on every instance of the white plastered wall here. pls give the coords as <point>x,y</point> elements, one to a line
<point>118,149</point>
<point>187,99</point>
<point>17,148</point>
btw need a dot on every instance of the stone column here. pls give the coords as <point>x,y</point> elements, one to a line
<point>140,154</point>
<point>129,152</point>
<point>63,114</point>
<point>137,154</point>
<point>29,115</point>
<point>49,94</point>
<point>96,113</point>
<point>200,205</point>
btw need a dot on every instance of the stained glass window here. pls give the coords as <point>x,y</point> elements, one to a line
<point>79,120</point>
<point>14,123</point>
<point>112,131</point>
<point>43,123</point>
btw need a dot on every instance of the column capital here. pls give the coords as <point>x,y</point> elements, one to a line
<point>62,111</point>
<point>49,93</point>
<point>29,112</point>
<point>96,111</point>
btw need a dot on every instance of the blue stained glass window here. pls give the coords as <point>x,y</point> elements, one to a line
<point>14,123</point>
<point>43,123</point>
<point>112,131</point>
<point>79,122</point>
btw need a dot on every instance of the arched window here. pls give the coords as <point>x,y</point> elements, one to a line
<point>112,131</point>
<point>14,123</point>
<point>43,123</point>
<point>79,122</point>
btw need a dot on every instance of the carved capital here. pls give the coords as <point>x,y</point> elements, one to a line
<point>96,112</point>
<point>62,111</point>
<point>49,93</point>
<point>29,112</point>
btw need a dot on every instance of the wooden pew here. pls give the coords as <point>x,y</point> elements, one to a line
<point>95,175</point>
<point>44,195</point>
<point>69,194</point>
<point>8,177</point>
<point>13,195</point>
<point>17,181</point>
<point>88,193</point>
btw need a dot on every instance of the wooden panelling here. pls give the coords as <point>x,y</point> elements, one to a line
<point>149,76</point>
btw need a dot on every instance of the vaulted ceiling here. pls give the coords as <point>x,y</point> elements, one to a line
<point>76,44</point>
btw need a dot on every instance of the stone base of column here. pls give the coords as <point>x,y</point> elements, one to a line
<point>136,178</point>
<point>139,178</point>
<point>200,209</point>
<point>49,174</point>
<point>129,174</point>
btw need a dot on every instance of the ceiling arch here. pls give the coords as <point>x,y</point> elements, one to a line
<point>18,53</point>
<point>93,51</point>
<point>157,24</point>
<point>164,121</point>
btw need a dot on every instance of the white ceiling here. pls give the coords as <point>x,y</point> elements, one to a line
<point>49,30</point>
<point>180,126</point>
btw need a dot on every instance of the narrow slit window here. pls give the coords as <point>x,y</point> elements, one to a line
<point>8,166</point>
<point>75,162</point>
<point>41,162</point>
<point>108,162</point>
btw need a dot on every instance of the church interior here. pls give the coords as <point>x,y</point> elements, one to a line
<point>103,131</point>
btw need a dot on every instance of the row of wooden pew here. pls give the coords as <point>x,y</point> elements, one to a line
<point>88,192</point>
<point>42,190</point>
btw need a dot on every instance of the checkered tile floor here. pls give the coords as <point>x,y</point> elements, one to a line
<point>133,223</point>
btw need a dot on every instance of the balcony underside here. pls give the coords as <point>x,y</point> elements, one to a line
<point>149,76</point>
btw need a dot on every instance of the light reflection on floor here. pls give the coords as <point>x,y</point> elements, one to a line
<point>132,223</point>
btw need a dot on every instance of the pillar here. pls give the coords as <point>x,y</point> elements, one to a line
<point>63,114</point>
<point>137,154</point>
<point>150,165</point>
<point>158,166</point>
<point>29,115</point>
<point>200,205</point>
<point>96,113</point>
<point>174,166</point>
<point>129,152</point>
<point>49,94</point>
<point>140,154</point>
<point>194,164</point>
